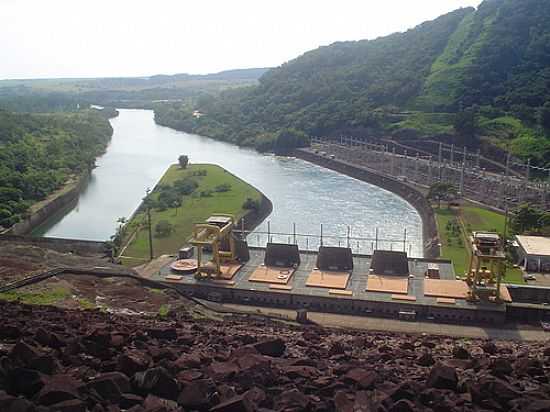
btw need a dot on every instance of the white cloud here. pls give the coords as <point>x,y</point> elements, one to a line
<point>74,38</point>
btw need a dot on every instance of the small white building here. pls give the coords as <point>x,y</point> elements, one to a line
<point>534,253</point>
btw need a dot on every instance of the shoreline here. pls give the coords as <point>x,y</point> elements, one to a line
<point>430,236</point>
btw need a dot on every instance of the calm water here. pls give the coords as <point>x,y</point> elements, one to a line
<point>302,193</point>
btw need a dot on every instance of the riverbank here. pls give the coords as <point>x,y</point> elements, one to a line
<point>412,195</point>
<point>198,192</point>
<point>43,210</point>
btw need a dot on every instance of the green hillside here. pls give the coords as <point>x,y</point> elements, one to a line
<point>39,153</point>
<point>493,62</point>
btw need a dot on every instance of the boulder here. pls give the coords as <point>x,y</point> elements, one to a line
<point>58,389</point>
<point>107,388</point>
<point>271,347</point>
<point>197,394</point>
<point>156,381</point>
<point>163,333</point>
<point>132,362</point>
<point>235,404</point>
<point>363,378</point>
<point>73,405</point>
<point>459,352</point>
<point>128,400</point>
<point>154,403</point>
<point>426,359</point>
<point>442,377</point>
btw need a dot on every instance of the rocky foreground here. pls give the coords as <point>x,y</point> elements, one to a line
<point>74,361</point>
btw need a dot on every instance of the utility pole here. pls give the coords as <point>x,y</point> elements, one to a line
<point>149,224</point>
<point>439,159</point>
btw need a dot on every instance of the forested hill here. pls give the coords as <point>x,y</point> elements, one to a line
<point>40,152</point>
<point>492,63</point>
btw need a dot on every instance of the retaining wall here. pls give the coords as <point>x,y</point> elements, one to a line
<point>79,247</point>
<point>39,217</point>
<point>407,192</point>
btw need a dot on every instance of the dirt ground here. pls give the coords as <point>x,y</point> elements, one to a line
<point>18,261</point>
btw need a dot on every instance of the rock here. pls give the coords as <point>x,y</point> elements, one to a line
<point>100,337</point>
<point>489,347</point>
<point>426,359</point>
<point>292,399</point>
<point>361,377</point>
<point>21,405</point>
<point>221,370</point>
<point>24,352</point>
<point>156,381</point>
<point>163,333</point>
<point>336,349</point>
<point>188,360</point>
<point>73,405</point>
<point>306,372</point>
<point>46,364</point>
<point>255,395</point>
<point>26,382</point>
<point>9,332</point>
<point>196,394</point>
<point>235,404</point>
<point>342,403</point>
<point>128,400</point>
<point>154,403</point>
<point>58,389</point>
<point>5,400</point>
<point>271,347</point>
<point>106,388</point>
<point>131,363</point>
<point>501,367</point>
<point>403,405</point>
<point>442,377</point>
<point>460,353</point>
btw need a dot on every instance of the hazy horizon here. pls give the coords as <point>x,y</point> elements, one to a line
<point>68,39</point>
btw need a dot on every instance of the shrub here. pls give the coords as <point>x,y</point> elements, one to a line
<point>224,187</point>
<point>251,204</point>
<point>163,228</point>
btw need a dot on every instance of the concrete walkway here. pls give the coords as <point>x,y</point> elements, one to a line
<point>508,332</point>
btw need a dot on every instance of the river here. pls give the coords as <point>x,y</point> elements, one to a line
<point>302,193</point>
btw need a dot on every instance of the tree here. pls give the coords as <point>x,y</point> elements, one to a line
<point>441,191</point>
<point>544,116</point>
<point>465,123</point>
<point>183,160</point>
<point>526,218</point>
<point>163,228</point>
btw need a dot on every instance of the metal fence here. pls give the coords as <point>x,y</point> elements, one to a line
<point>312,241</point>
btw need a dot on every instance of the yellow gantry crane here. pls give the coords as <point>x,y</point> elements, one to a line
<point>215,235</point>
<point>487,267</point>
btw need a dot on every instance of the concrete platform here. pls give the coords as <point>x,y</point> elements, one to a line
<point>357,293</point>
<point>328,279</point>
<point>454,289</point>
<point>271,274</point>
<point>388,284</point>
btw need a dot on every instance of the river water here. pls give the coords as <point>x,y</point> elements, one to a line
<point>302,193</point>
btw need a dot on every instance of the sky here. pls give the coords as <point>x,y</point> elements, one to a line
<point>109,38</point>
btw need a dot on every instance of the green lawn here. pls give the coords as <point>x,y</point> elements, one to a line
<point>195,209</point>
<point>451,248</point>
<point>474,219</point>
<point>45,297</point>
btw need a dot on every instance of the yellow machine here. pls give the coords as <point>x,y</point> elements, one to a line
<point>487,267</point>
<point>215,235</point>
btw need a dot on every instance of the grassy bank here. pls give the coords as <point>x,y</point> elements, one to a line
<point>205,200</point>
<point>456,225</point>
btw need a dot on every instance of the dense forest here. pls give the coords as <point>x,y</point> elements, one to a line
<point>40,152</point>
<point>489,67</point>
<point>49,95</point>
